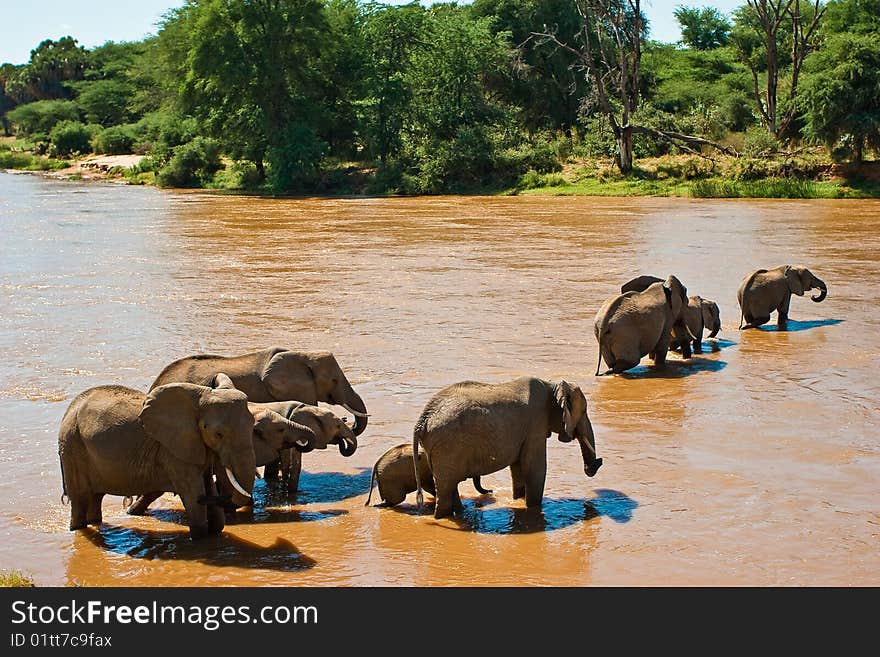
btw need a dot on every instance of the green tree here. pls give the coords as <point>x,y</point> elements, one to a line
<point>539,80</point>
<point>773,38</point>
<point>841,89</point>
<point>7,102</point>
<point>702,29</point>
<point>391,35</point>
<point>52,67</point>
<point>248,72</point>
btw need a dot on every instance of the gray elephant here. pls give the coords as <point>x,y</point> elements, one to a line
<point>393,472</point>
<point>635,324</point>
<point>118,441</point>
<point>280,428</point>
<point>766,290</point>
<point>277,374</point>
<point>699,315</point>
<point>470,429</point>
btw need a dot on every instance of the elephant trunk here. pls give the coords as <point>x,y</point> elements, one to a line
<point>352,402</point>
<point>347,441</point>
<point>304,438</point>
<point>715,330</point>
<point>587,442</point>
<point>823,290</point>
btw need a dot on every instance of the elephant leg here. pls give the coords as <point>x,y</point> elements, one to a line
<point>79,508</point>
<point>215,512</point>
<point>782,313</point>
<point>660,352</point>
<point>519,486</point>
<point>534,473</point>
<point>447,492</point>
<point>686,349</point>
<point>139,506</point>
<point>197,514</point>
<point>94,515</point>
<point>294,470</point>
<point>271,471</point>
<point>457,506</point>
<point>698,346</point>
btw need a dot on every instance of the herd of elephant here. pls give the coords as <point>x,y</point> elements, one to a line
<point>208,422</point>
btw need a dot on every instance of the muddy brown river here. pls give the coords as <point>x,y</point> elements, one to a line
<point>755,463</point>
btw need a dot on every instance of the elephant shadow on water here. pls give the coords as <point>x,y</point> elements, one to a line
<point>554,513</point>
<point>675,368</point>
<point>321,487</point>
<point>224,550</point>
<point>793,325</point>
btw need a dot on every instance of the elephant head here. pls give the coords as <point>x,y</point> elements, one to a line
<point>572,422</point>
<point>210,427</point>
<point>327,428</point>
<point>711,316</point>
<point>801,279</point>
<point>276,432</point>
<point>312,378</point>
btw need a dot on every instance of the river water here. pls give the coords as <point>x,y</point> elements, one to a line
<point>756,463</point>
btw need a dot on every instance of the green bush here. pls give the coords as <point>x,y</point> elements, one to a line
<point>117,140</point>
<point>192,165</point>
<point>42,115</point>
<point>68,137</point>
<point>531,179</point>
<point>758,142</point>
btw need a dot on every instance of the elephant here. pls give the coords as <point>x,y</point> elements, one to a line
<point>634,324</point>
<point>118,441</point>
<point>393,472</point>
<point>470,429</point>
<point>277,374</point>
<point>699,314</point>
<point>279,428</point>
<point>766,290</point>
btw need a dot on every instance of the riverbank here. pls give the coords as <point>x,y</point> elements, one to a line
<point>774,176</point>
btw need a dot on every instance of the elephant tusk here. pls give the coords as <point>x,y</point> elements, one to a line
<point>302,443</point>
<point>235,484</point>
<point>354,412</point>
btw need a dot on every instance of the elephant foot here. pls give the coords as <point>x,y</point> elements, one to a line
<point>78,525</point>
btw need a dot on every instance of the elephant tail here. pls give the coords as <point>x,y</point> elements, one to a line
<point>65,498</point>
<point>480,489</point>
<point>372,482</point>
<point>599,362</point>
<point>417,434</point>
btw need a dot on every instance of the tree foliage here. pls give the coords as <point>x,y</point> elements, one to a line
<point>703,28</point>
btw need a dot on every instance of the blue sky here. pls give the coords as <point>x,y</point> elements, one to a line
<point>93,22</point>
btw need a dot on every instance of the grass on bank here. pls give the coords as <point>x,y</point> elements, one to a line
<point>15,579</point>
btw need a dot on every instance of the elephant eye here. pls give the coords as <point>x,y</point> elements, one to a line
<point>219,435</point>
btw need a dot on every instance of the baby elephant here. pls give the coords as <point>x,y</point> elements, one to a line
<point>396,478</point>
<point>700,314</point>
<point>766,290</point>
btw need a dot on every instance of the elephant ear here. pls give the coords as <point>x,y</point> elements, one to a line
<point>563,397</point>
<point>222,381</point>
<point>170,416</point>
<point>794,281</point>
<point>287,376</point>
